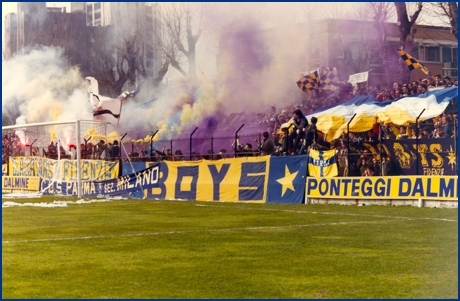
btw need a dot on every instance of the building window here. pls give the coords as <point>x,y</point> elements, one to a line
<point>450,61</point>
<point>97,5</point>
<point>89,14</point>
<point>433,54</point>
<point>97,16</point>
<point>430,54</point>
<point>89,21</point>
<point>454,62</point>
<point>446,54</point>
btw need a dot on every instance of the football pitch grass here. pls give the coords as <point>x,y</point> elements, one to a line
<point>137,249</point>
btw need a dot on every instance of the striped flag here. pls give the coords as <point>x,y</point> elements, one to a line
<point>322,163</point>
<point>413,63</point>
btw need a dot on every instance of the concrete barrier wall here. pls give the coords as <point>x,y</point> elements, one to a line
<point>430,203</point>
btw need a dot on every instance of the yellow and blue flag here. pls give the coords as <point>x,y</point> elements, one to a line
<point>329,78</point>
<point>322,163</point>
<point>309,82</point>
<point>412,63</point>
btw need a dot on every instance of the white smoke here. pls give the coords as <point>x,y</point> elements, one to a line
<point>40,86</point>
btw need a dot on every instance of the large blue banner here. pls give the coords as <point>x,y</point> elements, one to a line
<point>266,179</point>
<point>286,179</point>
<point>258,179</point>
<point>130,168</point>
<point>131,185</point>
<point>436,156</point>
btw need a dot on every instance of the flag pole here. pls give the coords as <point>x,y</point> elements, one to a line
<point>119,115</point>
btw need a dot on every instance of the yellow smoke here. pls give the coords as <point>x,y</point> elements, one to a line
<point>53,135</point>
<point>95,136</point>
<point>194,101</point>
<point>55,110</point>
<point>192,112</point>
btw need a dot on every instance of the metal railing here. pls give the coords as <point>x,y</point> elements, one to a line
<point>402,157</point>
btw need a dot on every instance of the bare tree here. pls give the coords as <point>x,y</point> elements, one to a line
<point>444,13</point>
<point>121,51</point>
<point>180,32</point>
<point>64,31</point>
<point>452,12</point>
<point>130,40</point>
<point>406,24</point>
<point>108,66</point>
<point>165,45</point>
<point>407,30</point>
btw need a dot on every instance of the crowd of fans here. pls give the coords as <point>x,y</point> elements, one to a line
<point>438,127</point>
<point>13,146</point>
<point>288,132</point>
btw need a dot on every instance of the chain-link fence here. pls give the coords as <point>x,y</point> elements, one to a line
<point>377,149</point>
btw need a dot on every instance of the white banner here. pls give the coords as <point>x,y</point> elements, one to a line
<point>358,77</point>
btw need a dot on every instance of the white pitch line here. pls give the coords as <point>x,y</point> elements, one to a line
<point>190,231</point>
<point>341,214</point>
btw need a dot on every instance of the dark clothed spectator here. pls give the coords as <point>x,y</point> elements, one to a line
<point>114,151</point>
<point>267,147</point>
<point>300,123</point>
<point>311,134</point>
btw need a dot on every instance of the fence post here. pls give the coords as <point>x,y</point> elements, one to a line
<point>77,142</point>
<point>236,138</point>
<point>348,145</point>
<point>212,148</point>
<point>121,139</point>
<point>260,144</point>
<point>380,149</point>
<point>151,145</point>
<point>190,157</point>
<point>416,139</point>
<point>31,147</point>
